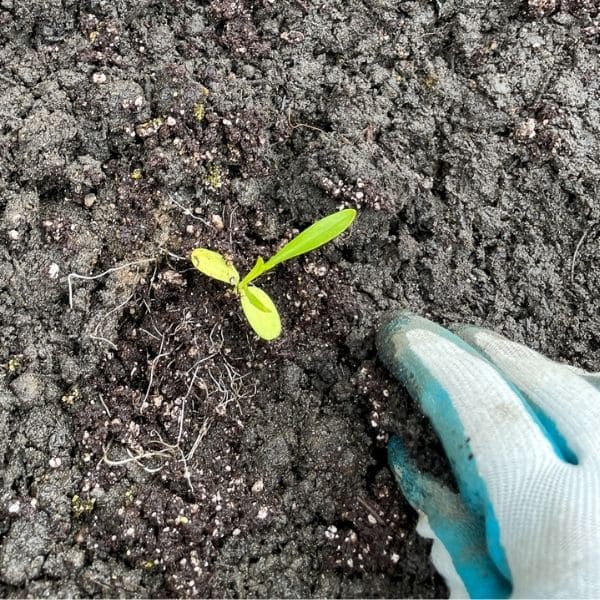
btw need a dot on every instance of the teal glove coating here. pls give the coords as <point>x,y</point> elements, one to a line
<point>522,434</point>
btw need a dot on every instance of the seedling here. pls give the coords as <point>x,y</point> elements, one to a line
<point>258,307</point>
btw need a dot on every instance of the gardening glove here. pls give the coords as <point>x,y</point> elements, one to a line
<point>522,434</point>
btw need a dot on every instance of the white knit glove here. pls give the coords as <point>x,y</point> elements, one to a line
<point>523,437</point>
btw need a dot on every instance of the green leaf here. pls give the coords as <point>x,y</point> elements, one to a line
<point>260,312</point>
<point>215,265</point>
<point>255,272</point>
<point>318,234</point>
<point>254,299</point>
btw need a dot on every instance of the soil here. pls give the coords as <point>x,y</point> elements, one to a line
<point>150,444</point>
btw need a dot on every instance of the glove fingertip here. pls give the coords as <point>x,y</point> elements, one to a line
<point>459,550</point>
<point>409,478</point>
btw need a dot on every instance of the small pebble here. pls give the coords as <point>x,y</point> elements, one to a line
<point>89,200</point>
<point>217,221</point>
<point>249,71</point>
<point>53,271</point>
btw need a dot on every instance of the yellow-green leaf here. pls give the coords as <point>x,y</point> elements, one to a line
<point>254,299</point>
<point>313,237</point>
<point>318,234</point>
<point>256,270</point>
<point>215,265</point>
<point>260,312</point>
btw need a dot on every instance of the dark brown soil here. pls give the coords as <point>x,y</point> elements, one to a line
<point>150,445</point>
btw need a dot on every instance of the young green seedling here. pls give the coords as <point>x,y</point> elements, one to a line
<point>258,307</point>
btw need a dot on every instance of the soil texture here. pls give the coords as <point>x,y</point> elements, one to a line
<point>150,444</point>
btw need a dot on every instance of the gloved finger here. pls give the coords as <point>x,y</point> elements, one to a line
<point>591,377</point>
<point>566,402</point>
<point>491,437</point>
<point>459,551</point>
<point>594,379</point>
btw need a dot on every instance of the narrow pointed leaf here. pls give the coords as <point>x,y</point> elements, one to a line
<point>260,312</point>
<point>255,272</point>
<point>315,236</point>
<point>215,265</point>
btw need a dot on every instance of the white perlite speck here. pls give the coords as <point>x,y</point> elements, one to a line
<point>53,271</point>
<point>262,513</point>
<point>217,222</point>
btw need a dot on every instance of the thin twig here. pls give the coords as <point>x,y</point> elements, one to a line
<point>304,125</point>
<point>148,333</point>
<point>98,338</point>
<point>188,212</point>
<point>578,248</point>
<point>203,431</point>
<point>136,459</point>
<point>371,510</point>
<point>231,225</point>
<point>105,407</point>
<point>72,276</point>
<point>155,360</point>
<point>173,255</point>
